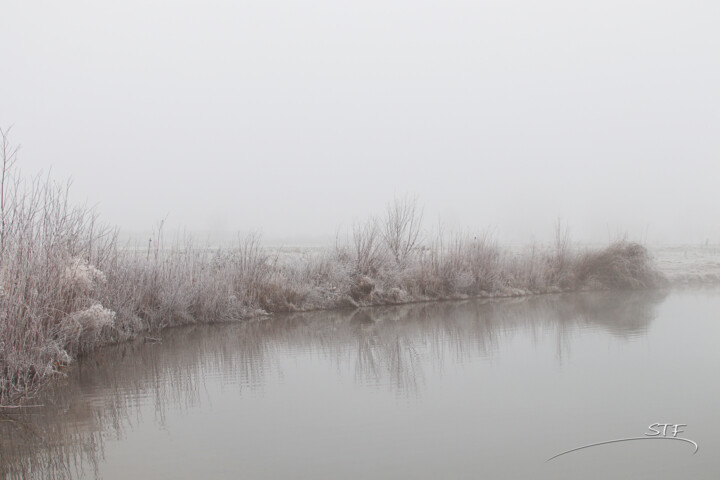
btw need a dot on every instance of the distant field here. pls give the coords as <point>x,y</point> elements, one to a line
<point>688,264</point>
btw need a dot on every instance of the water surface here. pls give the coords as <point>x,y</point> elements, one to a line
<point>458,390</point>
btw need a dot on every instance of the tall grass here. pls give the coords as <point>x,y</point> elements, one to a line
<point>67,286</point>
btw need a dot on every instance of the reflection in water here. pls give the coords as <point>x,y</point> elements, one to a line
<point>388,347</point>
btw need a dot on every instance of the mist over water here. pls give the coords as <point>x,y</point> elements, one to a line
<point>452,389</point>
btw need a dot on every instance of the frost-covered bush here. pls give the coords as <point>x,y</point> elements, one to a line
<point>94,318</point>
<point>622,265</point>
<point>81,277</point>
<point>81,330</point>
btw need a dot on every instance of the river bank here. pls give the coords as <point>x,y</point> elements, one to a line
<point>60,304</point>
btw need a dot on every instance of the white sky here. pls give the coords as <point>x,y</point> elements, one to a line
<point>296,118</point>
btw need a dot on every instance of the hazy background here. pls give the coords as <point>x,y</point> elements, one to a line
<point>296,118</point>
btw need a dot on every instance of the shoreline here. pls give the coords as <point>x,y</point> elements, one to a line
<point>106,322</point>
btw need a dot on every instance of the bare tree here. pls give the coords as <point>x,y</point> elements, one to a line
<point>401,229</point>
<point>368,254</point>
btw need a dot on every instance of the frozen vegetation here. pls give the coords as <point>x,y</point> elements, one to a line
<point>67,286</point>
<point>690,265</point>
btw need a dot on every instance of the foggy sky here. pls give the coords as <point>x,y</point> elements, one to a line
<point>297,118</point>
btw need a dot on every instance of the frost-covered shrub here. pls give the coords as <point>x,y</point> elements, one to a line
<point>81,277</point>
<point>89,321</point>
<point>95,317</point>
<point>622,265</point>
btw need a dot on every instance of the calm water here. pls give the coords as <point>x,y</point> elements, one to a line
<point>457,390</point>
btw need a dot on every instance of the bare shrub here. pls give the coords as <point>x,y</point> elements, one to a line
<point>560,261</point>
<point>401,228</point>
<point>485,259</point>
<point>368,249</point>
<point>442,265</point>
<point>622,265</point>
<point>249,269</point>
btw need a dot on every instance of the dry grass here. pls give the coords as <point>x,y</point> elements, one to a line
<point>67,287</point>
